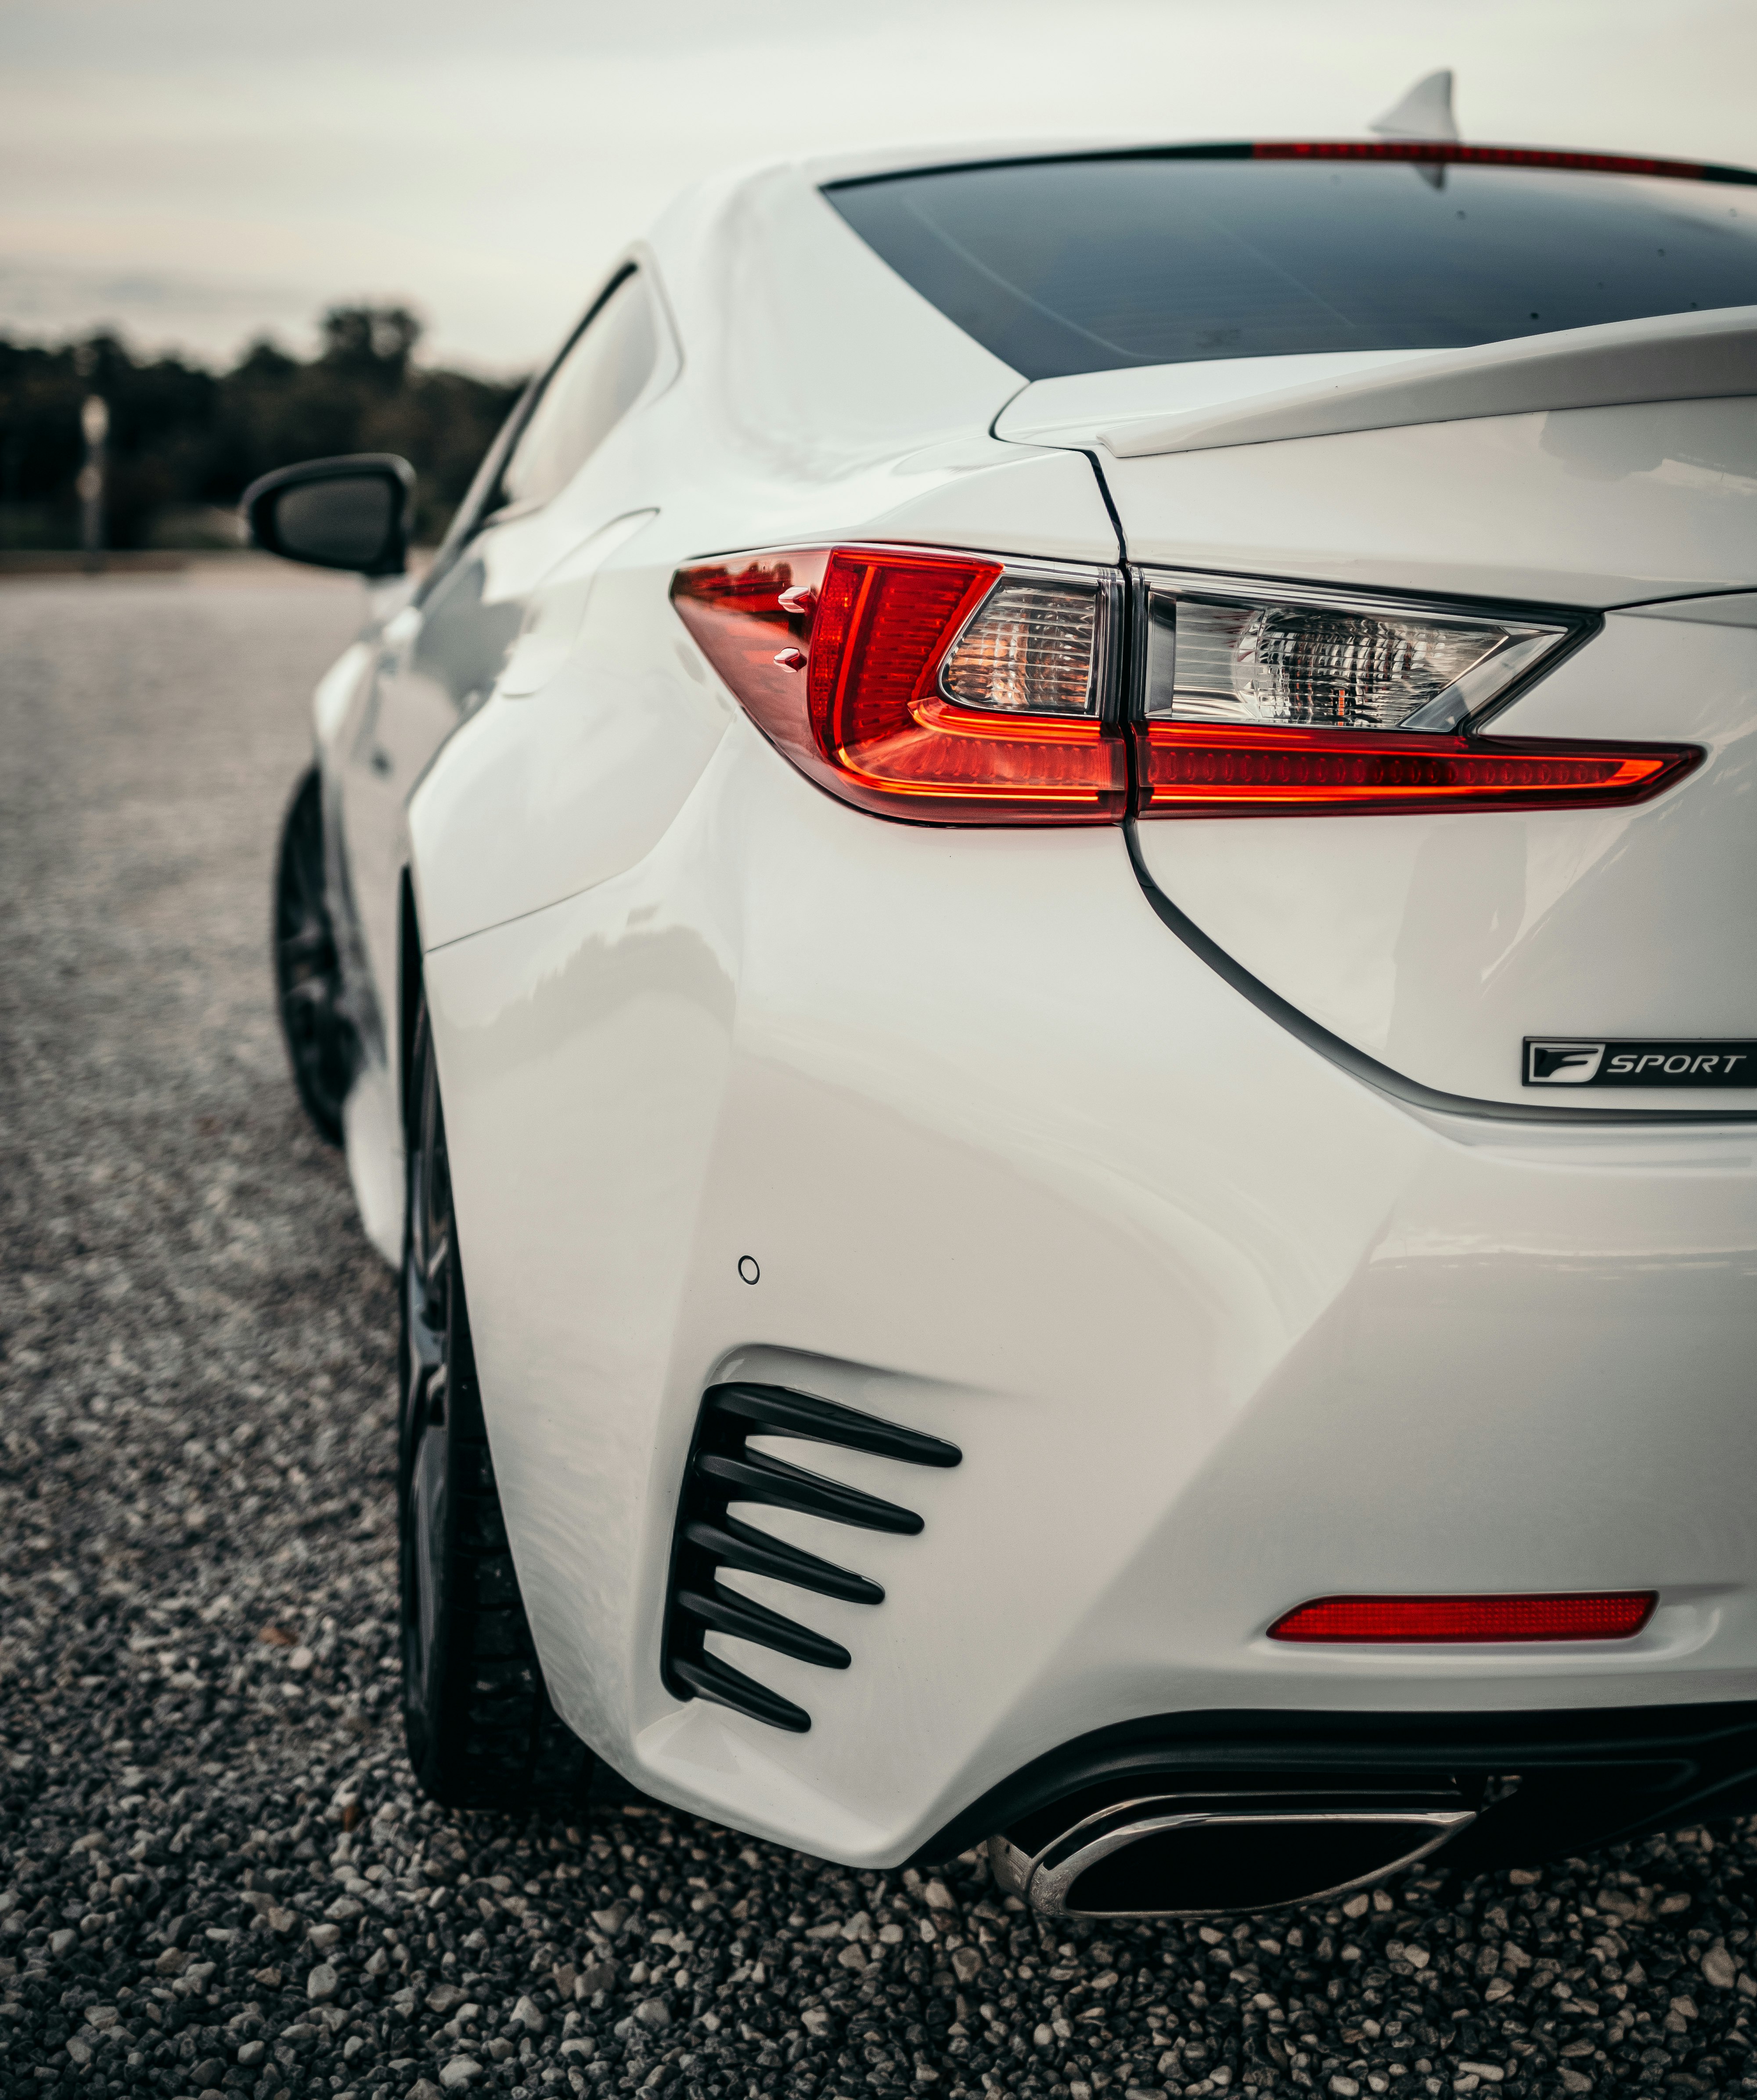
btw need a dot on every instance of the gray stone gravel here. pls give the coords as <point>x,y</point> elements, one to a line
<point>213,1874</point>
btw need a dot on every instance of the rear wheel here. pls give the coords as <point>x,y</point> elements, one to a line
<point>319,1038</point>
<point>481,1731</point>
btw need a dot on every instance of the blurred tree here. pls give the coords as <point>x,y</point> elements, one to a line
<point>373,343</point>
<point>182,439</point>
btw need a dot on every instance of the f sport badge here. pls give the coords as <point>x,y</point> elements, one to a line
<point>1569,1062</point>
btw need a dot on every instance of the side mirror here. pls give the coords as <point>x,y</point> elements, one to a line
<point>336,514</point>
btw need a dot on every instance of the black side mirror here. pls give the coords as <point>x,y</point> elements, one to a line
<point>336,514</point>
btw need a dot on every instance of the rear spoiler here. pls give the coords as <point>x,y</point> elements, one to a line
<point>1666,357</point>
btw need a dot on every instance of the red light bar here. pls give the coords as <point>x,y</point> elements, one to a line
<point>1591,1615</point>
<point>1432,150</point>
<point>1220,770</point>
<point>857,706</point>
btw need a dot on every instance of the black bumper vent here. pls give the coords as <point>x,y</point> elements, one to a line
<point>722,1469</point>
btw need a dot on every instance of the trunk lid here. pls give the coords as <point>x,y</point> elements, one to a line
<point>1441,945</point>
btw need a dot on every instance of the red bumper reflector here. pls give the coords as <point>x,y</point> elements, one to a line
<point>868,720</point>
<point>1220,770</point>
<point>1594,1615</point>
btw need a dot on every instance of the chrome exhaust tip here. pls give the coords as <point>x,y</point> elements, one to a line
<point>1208,1855</point>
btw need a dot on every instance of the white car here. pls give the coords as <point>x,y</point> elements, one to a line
<point>1071,835</point>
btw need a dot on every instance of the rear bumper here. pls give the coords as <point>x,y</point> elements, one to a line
<point>1215,1327</point>
<point>1552,1782</point>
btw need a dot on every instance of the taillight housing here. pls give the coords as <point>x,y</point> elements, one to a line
<point>947,688</point>
<point>1274,700</point>
<point>966,689</point>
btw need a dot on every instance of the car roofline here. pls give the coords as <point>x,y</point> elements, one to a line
<point>946,157</point>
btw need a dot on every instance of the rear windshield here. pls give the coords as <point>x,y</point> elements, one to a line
<point>1086,265</point>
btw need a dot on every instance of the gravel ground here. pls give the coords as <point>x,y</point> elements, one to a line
<point>213,1874</point>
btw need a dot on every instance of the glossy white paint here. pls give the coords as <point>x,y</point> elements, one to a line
<point>1661,357</point>
<point>1735,609</point>
<point>1216,1327</point>
<point>555,612</point>
<point>371,1134</point>
<point>624,726</point>
<point>336,691</point>
<point>434,654</point>
<point>538,798</point>
<point>1076,410</point>
<point>1582,506</point>
<point>1436,943</point>
<point>806,354</point>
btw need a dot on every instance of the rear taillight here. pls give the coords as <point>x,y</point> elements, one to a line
<point>1199,770</point>
<point>950,689</point>
<point>1595,1615</point>
<point>960,689</point>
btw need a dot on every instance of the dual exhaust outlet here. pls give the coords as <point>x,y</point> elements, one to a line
<point>1200,1854</point>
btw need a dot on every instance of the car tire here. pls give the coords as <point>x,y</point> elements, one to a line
<point>480,1729</point>
<point>321,1045</point>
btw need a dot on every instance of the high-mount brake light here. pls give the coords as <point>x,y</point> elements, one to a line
<point>944,688</point>
<point>1431,150</point>
<point>1590,1615</point>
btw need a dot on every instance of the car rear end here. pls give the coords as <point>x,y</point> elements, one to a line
<point>1245,1052</point>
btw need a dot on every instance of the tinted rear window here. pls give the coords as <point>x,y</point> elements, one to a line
<point>1087,265</point>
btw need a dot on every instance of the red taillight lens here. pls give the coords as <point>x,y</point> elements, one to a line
<point>864,712</point>
<point>1597,1615</point>
<point>1211,769</point>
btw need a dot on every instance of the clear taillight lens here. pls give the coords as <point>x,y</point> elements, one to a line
<point>1258,703</point>
<point>1033,649</point>
<point>933,686</point>
<point>1296,664</point>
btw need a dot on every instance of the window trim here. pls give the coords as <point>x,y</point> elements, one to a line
<point>980,299</point>
<point>528,408</point>
<point>481,507</point>
<point>1430,152</point>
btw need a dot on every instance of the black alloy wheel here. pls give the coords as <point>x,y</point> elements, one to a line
<point>321,1045</point>
<point>481,1731</point>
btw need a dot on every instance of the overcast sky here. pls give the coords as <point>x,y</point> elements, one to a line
<point>199,171</point>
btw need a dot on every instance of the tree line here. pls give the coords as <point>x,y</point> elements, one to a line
<point>185,442</point>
